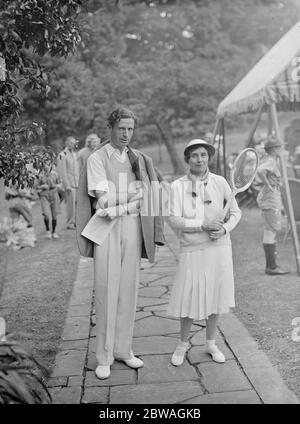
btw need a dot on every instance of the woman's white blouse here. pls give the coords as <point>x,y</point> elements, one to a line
<point>187,211</point>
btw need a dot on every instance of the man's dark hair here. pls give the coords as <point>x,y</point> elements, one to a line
<point>120,113</point>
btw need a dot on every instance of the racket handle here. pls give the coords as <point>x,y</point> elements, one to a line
<point>227,206</point>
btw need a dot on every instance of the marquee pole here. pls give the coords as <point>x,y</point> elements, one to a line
<point>254,127</point>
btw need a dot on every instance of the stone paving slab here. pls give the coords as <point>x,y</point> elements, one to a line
<point>175,392</point>
<point>199,338</point>
<point>117,377</point>
<point>158,369</point>
<point>155,326</point>
<point>154,345</point>
<point>79,310</point>
<point>150,301</point>
<point>156,308</point>
<point>270,387</point>
<point>96,395</point>
<point>69,363</point>
<point>223,377</point>
<point>237,397</point>
<point>81,344</point>
<point>65,395</point>
<point>142,314</point>
<point>152,291</point>
<point>147,278</point>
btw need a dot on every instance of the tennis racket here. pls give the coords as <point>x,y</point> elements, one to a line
<point>242,174</point>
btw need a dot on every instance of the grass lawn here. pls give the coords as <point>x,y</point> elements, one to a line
<point>37,287</point>
<point>267,304</point>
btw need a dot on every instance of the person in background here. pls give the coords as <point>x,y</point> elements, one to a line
<point>92,143</point>
<point>19,203</point>
<point>269,201</point>
<point>204,284</point>
<point>47,187</point>
<point>68,170</point>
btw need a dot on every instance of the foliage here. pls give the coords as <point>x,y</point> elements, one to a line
<point>22,378</point>
<point>29,29</point>
<point>171,64</point>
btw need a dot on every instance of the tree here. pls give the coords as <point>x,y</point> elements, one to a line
<point>29,30</point>
<point>172,64</point>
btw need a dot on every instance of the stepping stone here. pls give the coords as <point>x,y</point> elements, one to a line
<point>152,292</point>
<point>153,345</point>
<point>117,377</point>
<point>158,369</point>
<point>223,377</point>
<point>197,355</point>
<point>238,397</point>
<point>161,393</point>
<point>96,395</point>
<point>143,301</point>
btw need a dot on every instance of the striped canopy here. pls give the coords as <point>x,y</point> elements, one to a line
<point>274,79</point>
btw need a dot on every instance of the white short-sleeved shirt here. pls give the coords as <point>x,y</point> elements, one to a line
<point>96,173</point>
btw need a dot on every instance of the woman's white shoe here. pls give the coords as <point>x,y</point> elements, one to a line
<point>102,371</point>
<point>179,354</point>
<point>216,354</point>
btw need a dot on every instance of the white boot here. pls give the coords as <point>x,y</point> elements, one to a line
<point>179,354</point>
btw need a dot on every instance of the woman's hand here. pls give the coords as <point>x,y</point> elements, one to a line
<point>215,235</point>
<point>214,225</point>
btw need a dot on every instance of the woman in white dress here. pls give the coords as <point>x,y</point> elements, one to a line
<point>204,285</point>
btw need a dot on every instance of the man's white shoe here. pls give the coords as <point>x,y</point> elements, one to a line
<point>134,362</point>
<point>179,354</point>
<point>216,354</point>
<point>55,236</point>
<point>102,371</point>
<point>48,235</point>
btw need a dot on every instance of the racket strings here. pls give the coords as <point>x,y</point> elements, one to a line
<point>244,170</point>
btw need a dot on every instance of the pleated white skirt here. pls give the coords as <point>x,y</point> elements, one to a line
<point>204,283</point>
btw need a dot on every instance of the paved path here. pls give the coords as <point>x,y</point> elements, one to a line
<point>247,376</point>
